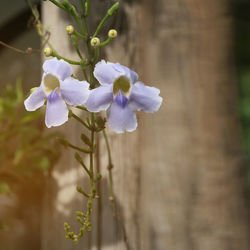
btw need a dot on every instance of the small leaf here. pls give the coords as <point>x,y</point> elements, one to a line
<point>86,140</point>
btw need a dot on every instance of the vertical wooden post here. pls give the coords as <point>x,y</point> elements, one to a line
<point>177,182</point>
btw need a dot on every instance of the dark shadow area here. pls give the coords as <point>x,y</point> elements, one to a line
<point>241,12</point>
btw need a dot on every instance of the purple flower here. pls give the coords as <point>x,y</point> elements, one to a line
<point>59,89</point>
<point>121,95</point>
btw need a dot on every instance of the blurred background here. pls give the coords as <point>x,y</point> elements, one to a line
<point>185,178</point>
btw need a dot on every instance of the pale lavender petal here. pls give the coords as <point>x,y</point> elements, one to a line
<point>132,75</point>
<point>121,119</point>
<point>145,98</point>
<point>56,111</point>
<point>106,72</point>
<point>35,100</point>
<point>99,98</point>
<point>74,92</point>
<point>58,68</point>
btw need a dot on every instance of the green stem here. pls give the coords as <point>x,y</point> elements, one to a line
<point>106,42</point>
<point>80,120</point>
<point>91,67</point>
<point>110,167</point>
<point>96,54</point>
<point>92,142</point>
<point>85,168</point>
<point>80,35</point>
<point>82,108</point>
<point>78,53</point>
<point>83,65</point>
<point>91,156</point>
<point>92,78</point>
<point>110,12</point>
<point>80,190</point>
<point>57,4</point>
<point>84,24</point>
<point>76,18</point>
<point>85,74</point>
<point>65,59</point>
<point>32,10</point>
<point>88,6</point>
<point>81,5</point>
<point>100,25</point>
<point>79,149</point>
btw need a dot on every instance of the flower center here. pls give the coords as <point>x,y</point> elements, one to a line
<point>122,83</point>
<point>50,82</point>
<point>121,100</point>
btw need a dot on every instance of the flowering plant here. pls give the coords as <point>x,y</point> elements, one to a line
<point>107,86</point>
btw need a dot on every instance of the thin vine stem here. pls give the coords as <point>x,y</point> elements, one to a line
<point>57,4</point>
<point>80,120</point>
<point>100,25</point>
<point>110,166</point>
<point>84,24</point>
<point>106,42</point>
<point>79,149</point>
<point>80,35</point>
<point>54,53</point>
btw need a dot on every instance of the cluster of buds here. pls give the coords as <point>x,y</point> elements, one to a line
<point>95,41</point>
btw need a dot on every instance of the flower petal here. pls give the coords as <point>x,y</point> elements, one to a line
<point>56,111</point>
<point>145,98</point>
<point>121,119</point>
<point>35,100</point>
<point>106,72</point>
<point>99,98</point>
<point>131,73</point>
<point>74,92</point>
<point>58,68</point>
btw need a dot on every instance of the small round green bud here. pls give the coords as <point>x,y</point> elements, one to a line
<point>79,219</point>
<point>95,42</point>
<point>70,29</point>
<point>78,213</point>
<point>48,51</point>
<point>112,34</point>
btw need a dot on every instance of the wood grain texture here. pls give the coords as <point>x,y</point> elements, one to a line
<point>177,177</point>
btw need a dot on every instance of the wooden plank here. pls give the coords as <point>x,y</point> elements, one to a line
<point>177,182</point>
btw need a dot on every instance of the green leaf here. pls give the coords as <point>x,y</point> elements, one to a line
<point>86,140</point>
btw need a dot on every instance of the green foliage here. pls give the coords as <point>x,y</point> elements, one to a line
<point>26,153</point>
<point>23,146</point>
<point>242,55</point>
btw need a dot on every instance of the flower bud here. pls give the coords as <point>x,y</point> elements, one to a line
<point>112,34</point>
<point>95,42</point>
<point>48,51</point>
<point>29,50</point>
<point>113,9</point>
<point>70,29</point>
<point>79,213</point>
